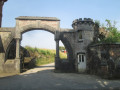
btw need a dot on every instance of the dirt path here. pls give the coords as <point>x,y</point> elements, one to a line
<point>43,78</point>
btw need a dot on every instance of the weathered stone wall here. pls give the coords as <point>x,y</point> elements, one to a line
<point>105,60</point>
<point>81,45</point>
<point>23,23</point>
<point>6,38</point>
<point>68,40</point>
<point>38,22</point>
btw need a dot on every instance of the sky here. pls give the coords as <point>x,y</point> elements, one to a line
<point>65,10</point>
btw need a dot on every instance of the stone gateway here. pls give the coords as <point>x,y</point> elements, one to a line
<point>75,40</point>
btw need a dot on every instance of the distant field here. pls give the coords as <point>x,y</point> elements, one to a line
<point>44,56</point>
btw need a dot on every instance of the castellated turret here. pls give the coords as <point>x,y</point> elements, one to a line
<point>83,24</point>
<point>84,34</point>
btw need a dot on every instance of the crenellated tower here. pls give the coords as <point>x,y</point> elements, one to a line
<point>83,24</point>
<point>84,34</point>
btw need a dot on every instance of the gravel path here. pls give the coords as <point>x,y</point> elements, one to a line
<point>43,78</point>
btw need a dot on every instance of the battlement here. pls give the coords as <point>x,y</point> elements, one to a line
<point>82,23</point>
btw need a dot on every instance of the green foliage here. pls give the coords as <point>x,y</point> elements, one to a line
<point>61,48</point>
<point>43,56</point>
<point>30,49</point>
<point>41,61</point>
<point>97,22</point>
<point>63,55</point>
<point>113,33</point>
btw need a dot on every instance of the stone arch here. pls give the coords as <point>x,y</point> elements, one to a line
<point>68,48</point>
<point>11,48</point>
<point>51,30</point>
<point>37,27</point>
<point>65,42</point>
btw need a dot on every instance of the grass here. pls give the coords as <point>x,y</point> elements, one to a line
<point>63,55</point>
<point>44,56</point>
<point>42,61</point>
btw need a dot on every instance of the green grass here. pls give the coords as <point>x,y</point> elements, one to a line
<point>63,55</point>
<point>44,56</point>
<point>42,61</point>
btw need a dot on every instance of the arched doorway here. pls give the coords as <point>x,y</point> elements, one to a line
<point>57,55</point>
<point>41,47</point>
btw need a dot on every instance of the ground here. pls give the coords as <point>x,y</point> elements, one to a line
<point>44,78</point>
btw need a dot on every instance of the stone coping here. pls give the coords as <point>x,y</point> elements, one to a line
<point>37,18</point>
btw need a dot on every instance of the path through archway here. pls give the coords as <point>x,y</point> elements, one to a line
<point>40,45</point>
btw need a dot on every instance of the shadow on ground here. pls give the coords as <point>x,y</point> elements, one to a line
<point>44,78</point>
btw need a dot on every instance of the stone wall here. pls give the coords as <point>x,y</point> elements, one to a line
<point>104,60</point>
<point>5,38</point>
<point>67,65</point>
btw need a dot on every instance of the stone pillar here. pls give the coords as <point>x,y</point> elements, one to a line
<point>57,38</point>
<point>57,48</point>
<point>57,59</point>
<point>17,48</point>
<point>17,59</point>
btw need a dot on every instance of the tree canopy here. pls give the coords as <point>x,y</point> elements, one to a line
<point>113,35</point>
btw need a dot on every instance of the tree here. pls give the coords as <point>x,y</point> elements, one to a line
<point>113,34</point>
<point>97,22</point>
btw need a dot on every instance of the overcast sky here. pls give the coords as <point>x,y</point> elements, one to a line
<point>65,10</point>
